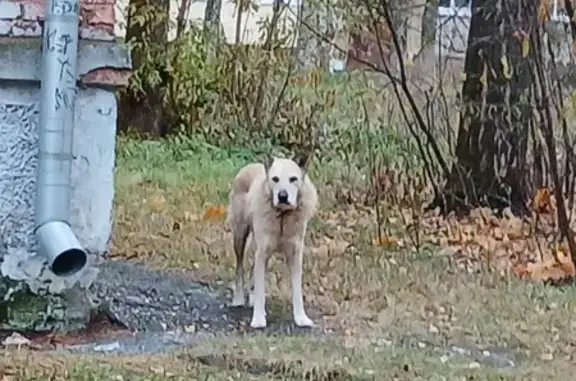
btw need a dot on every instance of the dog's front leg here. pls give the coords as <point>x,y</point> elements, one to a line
<point>295,259</point>
<point>259,279</point>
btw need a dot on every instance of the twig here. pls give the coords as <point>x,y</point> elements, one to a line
<point>547,128</point>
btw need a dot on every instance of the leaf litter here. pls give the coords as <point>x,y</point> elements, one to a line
<point>527,247</point>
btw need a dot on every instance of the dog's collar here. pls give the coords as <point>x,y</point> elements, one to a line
<point>281,216</point>
<point>283,213</point>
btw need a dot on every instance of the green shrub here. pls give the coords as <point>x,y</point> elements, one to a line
<point>254,99</point>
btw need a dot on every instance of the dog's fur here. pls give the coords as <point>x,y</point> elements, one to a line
<point>256,207</point>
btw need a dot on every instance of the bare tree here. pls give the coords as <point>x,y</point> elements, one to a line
<point>183,10</point>
<point>212,15</point>
<point>317,26</point>
<point>414,25</point>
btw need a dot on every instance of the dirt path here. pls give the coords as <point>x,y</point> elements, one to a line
<point>168,311</point>
<point>153,300</point>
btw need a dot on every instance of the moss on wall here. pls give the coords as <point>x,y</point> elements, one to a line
<point>22,310</point>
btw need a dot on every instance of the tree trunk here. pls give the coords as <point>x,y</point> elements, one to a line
<point>213,28</point>
<point>143,111</point>
<point>491,151</point>
<point>429,21</point>
<point>307,44</point>
<point>316,28</point>
<point>182,18</point>
<point>414,23</point>
<point>212,14</point>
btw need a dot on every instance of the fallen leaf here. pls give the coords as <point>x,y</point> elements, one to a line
<point>190,217</point>
<point>525,46</point>
<point>556,268</point>
<point>16,339</point>
<point>506,69</point>
<point>157,369</point>
<point>387,241</point>
<point>544,12</point>
<point>214,213</point>
<point>336,246</point>
<point>156,204</point>
<point>321,250</point>
<point>541,202</point>
<point>521,271</point>
<point>547,356</point>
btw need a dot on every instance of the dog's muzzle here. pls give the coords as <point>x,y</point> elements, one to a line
<point>283,197</point>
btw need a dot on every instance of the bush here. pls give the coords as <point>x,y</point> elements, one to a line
<point>225,94</point>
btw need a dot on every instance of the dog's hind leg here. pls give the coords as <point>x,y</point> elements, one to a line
<point>240,233</point>
<point>259,300</point>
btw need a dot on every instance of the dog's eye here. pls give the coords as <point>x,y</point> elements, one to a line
<point>293,179</point>
<point>275,179</point>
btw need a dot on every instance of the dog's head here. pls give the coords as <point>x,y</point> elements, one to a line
<point>285,179</point>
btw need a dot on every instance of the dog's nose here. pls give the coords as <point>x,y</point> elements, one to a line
<point>283,197</point>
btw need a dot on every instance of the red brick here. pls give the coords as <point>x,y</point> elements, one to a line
<point>33,10</point>
<point>97,17</point>
<point>97,14</point>
<point>103,9</point>
<point>100,32</point>
<point>107,77</point>
<point>87,2</point>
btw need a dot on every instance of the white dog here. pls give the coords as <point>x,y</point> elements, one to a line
<point>274,202</point>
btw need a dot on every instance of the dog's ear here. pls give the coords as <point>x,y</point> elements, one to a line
<point>302,160</point>
<point>267,160</point>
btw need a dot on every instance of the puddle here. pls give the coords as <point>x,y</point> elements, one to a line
<point>141,342</point>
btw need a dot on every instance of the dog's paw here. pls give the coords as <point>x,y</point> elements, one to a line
<point>303,321</point>
<point>258,321</point>
<point>237,302</point>
<point>238,299</point>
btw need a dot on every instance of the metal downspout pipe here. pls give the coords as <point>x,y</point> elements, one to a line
<point>56,241</point>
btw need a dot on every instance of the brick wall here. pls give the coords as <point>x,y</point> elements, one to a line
<point>22,18</point>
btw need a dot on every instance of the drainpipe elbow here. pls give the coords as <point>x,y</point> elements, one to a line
<point>61,248</point>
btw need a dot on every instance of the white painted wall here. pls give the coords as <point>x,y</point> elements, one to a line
<point>92,181</point>
<point>250,29</point>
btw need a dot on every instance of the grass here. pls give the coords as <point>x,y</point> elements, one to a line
<point>395,312</point>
